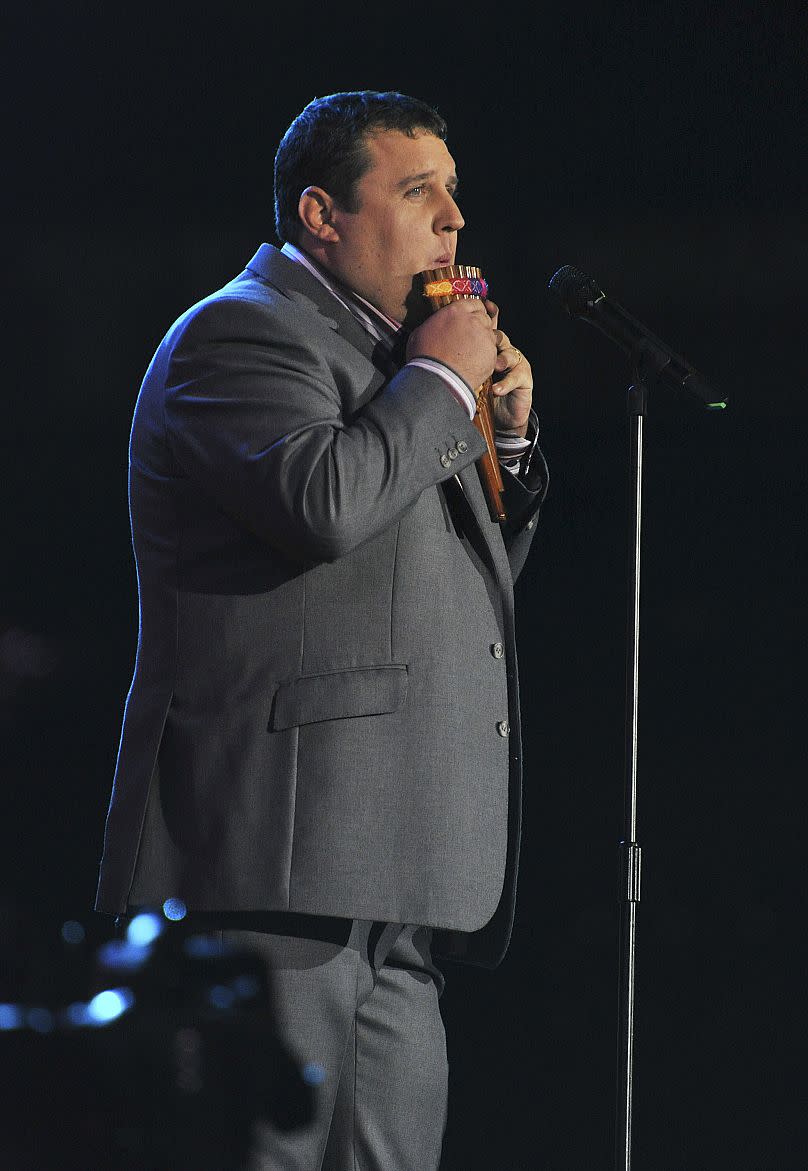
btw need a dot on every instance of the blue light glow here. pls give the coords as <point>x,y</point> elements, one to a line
<point>10,1016</point>
<point>110,1004</point>
<point>144,929</point>
<point>77,1014</point>
<point>221,996</point>
<point>72,932</point>
<point>174,910</point>
<point>121,955</point>
<point>313,1073</point>
<point>40,1020</point>
<point>246,987</point>
<point>202,947</point>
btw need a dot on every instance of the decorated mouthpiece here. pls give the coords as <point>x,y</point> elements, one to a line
<point>453,282</point>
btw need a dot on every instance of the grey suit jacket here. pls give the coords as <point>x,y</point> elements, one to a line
<point>324,711</point>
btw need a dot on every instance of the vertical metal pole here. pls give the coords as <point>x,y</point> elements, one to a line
<point>629,852</point>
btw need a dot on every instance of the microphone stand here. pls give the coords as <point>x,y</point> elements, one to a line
<point>629,853</point>
<point>647,362</point>
<point>649,359</point>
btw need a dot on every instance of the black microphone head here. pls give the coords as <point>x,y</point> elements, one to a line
<point>577,290</point>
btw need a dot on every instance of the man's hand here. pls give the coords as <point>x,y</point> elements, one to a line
<point>513,392</point>
<point>463,336</point>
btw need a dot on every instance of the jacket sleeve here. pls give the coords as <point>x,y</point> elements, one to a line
<point>254,416</point>
<point>524,497</point>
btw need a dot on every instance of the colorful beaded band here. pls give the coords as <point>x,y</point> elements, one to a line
<point>459,286</point>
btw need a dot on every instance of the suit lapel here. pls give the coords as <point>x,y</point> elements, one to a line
<point>296,282</point>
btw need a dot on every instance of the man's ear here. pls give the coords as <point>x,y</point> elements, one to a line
<point>316,209</point>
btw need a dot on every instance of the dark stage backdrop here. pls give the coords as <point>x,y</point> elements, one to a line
<point>659,147</point>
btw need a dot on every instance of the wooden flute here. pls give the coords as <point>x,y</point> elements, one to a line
<point>459,282</point>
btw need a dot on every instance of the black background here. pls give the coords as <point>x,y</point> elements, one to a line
<point>660,147</point>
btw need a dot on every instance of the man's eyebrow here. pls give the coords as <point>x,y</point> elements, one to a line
<point>452,180</point>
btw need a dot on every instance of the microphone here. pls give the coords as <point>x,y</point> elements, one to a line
<point>652,359</point>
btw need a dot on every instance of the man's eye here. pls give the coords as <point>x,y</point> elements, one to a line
<point>416,190</point>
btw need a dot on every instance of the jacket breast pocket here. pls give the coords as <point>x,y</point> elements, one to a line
<point>338,695</point>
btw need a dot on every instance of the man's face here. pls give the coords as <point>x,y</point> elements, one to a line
<point>407,220</point>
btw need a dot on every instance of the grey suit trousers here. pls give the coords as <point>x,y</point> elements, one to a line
<point>363,1011</point>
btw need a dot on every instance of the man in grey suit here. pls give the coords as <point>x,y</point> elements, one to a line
<point>320,749</point>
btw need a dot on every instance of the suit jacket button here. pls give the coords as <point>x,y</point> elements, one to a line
<point>462,446</point>
<point>497,650</point>
<point>444,459</point>
<point>452,453</point>
<point>503,727</point>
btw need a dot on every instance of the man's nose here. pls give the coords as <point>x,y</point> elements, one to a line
<point>450,219</point>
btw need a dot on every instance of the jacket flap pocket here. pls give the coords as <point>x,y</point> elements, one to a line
<point>338,695</point>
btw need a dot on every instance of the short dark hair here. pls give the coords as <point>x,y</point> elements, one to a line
<point>326,146</point>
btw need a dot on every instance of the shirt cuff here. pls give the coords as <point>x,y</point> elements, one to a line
<point>516,452</point>
<point>452,381</point>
